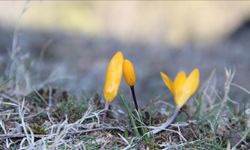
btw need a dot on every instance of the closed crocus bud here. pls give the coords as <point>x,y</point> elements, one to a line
<point>129,73</point>
<point>113,77</point>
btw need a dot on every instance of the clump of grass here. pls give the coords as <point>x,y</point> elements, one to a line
<point>131,117</point>
<point>72,108</point>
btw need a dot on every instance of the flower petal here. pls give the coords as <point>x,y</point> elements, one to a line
<point>193,81</point>
<point>187,89</point>
<point>168,82</point>
<point>113,77</point>
<point>179,81</point>
<point>129,72</point>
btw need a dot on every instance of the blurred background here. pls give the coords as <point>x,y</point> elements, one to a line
<point>70,43</point>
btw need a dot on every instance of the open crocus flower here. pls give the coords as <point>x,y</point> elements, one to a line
<point>113,78</point>
<point>183,87</point>
<point>130,78</point>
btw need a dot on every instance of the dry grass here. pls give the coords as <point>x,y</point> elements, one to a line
<point>54,119</point>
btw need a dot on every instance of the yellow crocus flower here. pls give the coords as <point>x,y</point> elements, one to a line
<point>183,87</point>
<point>113,77</point>
<point>129,73</point>
<point>130,78</point>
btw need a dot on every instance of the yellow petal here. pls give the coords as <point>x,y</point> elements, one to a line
<point>168,82</point>
<point>113,77</point>
<point>179,82</point>
<point>187,89</point>
<point>129,73</point>
<point>193,81</point>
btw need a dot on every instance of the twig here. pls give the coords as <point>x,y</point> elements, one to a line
<point>5,136</point>
<point>242,139</point>
<point>96,129</point>
<point>168,146</point>
<point>40,96</point>
<point>240,87</point>
<point>9,98</point>
<point>229,79</point>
